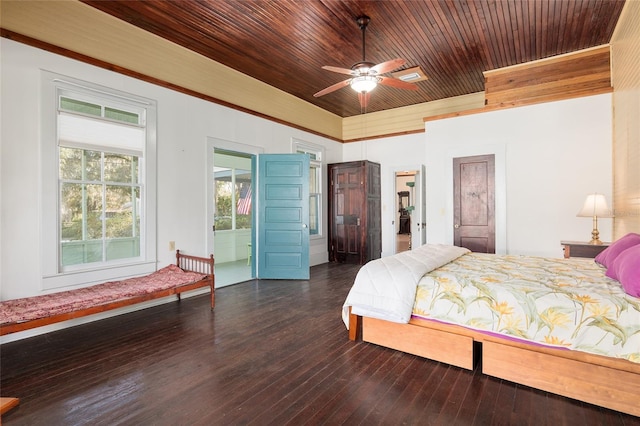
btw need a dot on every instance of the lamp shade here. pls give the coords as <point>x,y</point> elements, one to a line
<point>595,206</point>
<point>364,83</point>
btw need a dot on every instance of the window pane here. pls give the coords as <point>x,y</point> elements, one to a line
<point>120,168</point>
<point>94,209</point>
<point>120,115</point>
<point>81,222</point>
<point>122,222</point>
<point>74,162</point>
<point>121,211</point>
<point>314,207</point>
<point>80,106</point>
<point>313,179</point>
<point>243,205</point>
<point>71,212</point>
<point>223,204</point>
<point>123,248</point>
<point>81,211</point>
<point>79,252</point>
<point>315,191</point>
<point>312,155</point>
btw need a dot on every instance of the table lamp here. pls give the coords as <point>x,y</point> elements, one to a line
<point>595,206</point>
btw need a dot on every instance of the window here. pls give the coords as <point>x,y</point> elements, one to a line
<point>315,154</point>
<point>98,141</point>
<point>233,191</point>
<point>99,181</point>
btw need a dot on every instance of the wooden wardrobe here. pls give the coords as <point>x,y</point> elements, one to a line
<point>355,209</point>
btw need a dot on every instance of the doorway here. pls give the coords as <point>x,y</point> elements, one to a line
<point>412,213</point>
<point>405,206</point>
<point>232,216</point>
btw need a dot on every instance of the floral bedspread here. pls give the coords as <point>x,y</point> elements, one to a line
<point>30,308</point>
<point>556,302</point>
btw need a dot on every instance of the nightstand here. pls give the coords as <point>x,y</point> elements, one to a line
<point>582,249</point>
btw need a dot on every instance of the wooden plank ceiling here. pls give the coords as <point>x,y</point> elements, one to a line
<point>285,43</point>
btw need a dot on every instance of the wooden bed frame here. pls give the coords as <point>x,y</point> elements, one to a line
<point>607,382</point>
<point>202,265</point>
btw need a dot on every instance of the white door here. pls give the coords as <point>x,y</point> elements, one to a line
<point>419,215</point>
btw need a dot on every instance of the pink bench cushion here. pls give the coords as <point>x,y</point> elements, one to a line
<point>31,308</point>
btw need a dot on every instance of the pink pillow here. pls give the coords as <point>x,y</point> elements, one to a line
<point>608,255</point>
<point>626,268</point>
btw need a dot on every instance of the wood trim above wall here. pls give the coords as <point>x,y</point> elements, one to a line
<point>583,73</point>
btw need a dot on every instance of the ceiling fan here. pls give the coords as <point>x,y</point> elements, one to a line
<point>367,75</point>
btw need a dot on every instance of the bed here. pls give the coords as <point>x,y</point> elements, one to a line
<point>188,273</point>
<point>560,325</point>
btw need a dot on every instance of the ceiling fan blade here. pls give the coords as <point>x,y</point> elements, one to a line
<point>385,67</point>
<point>339,70</point>
<point>364,97</point>
<point>398,84</point>
<point>333,88</point>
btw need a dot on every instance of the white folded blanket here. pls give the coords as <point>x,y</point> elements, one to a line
<point>386,288</point>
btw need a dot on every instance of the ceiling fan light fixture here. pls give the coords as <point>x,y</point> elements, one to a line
<point>365,75</point>
<point>364,83</point>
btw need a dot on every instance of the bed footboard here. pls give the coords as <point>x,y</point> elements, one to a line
<point>201,265</point>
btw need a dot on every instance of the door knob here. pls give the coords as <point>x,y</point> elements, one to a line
<point>456,226</point>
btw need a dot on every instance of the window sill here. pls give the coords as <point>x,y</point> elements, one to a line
<point>96,276</point>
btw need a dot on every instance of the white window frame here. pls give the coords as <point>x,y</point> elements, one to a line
<point>53,275</point>
<point>303,147</point>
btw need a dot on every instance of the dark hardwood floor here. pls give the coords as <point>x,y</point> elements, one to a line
<point>271,353</point>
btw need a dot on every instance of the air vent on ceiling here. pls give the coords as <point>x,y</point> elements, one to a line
<point>410,75</point>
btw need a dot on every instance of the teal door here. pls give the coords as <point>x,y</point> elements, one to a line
<point>282,231</point>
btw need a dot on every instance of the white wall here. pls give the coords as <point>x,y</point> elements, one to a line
<point>548,158</point>
<point>184,124</point>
